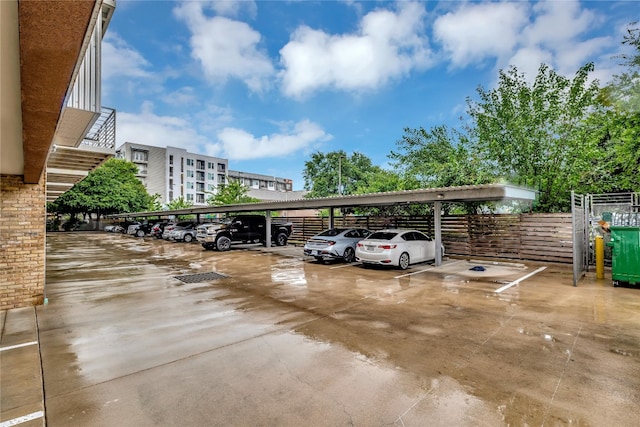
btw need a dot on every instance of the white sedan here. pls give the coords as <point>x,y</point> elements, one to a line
<point>396,247</point>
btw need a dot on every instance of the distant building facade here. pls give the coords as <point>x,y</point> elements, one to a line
<point>174,172</point>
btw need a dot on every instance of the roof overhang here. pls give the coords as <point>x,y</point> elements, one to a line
<point>470,193</point>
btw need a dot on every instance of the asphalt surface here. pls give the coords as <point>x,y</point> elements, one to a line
<point>280,340</point>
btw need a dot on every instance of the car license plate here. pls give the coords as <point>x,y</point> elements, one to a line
<point>314,253</point>
<point>369,248</point>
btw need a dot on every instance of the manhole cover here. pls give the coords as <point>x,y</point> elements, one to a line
<point>200,277</point>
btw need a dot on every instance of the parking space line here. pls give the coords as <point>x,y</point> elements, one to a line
<point>515,282</point>
<point>345,265</point>
<point>24,419</point>
<point>11,347</point>
<point>426,269</point>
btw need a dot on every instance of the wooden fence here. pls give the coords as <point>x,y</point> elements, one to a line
<point>537,237</point>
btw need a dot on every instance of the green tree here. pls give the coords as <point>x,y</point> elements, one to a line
<point>618,125</point>
<point>439,157</point>
<point>335,173</point>
<point>111,188</point>
<point>536,135</point>
<point>231,193</point>
<point>179,203</point>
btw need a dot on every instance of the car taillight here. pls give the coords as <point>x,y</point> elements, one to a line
<point>331,242</point>
<point>360,244</point>
<point>387,246</point>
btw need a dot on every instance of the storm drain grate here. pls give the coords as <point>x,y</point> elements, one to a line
<point>200,277</point>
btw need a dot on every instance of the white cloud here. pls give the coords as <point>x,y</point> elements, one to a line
<point>121,60</point>
<point>521,34</point>
<point>388,44</point>
<point>238,144</point>
<point>161,131</point>
<point>234,8</point>
<point>226,48</point>
<point>474,32</point>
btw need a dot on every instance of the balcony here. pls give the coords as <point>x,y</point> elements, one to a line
<point>67,165</point>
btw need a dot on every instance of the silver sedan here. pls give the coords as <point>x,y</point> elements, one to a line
<point>335,243</point>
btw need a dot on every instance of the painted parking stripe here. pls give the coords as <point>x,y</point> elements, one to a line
<point>11,347</point>
<point>427,269</point>
<point>24,419</point>
<point>515,282</point>
<point>345,265</point>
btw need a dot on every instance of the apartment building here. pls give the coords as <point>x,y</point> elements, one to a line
<point>174,172</point>
<point>255,181</point>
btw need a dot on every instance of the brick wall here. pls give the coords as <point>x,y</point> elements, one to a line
<point>22,242</point>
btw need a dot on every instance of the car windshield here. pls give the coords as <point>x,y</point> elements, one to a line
<point>332,232</point>
<point>382,235</point>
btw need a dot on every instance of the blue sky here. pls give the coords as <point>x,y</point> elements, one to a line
<point>267,83</point>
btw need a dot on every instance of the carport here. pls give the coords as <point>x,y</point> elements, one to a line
<point>437,196</point>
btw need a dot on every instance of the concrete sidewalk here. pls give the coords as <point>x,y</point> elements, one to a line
<point>21,395</point>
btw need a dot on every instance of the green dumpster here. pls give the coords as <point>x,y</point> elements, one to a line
<point>625,255</point>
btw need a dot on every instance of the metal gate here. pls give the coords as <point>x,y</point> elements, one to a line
<point>579,217</point>
<point>586,212</point>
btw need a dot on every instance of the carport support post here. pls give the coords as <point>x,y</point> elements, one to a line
<point>267,231</point>
<point>331,217</point>
<point>437,218</point>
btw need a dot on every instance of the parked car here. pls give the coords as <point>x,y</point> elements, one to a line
<point>242,228</point>
<point>184,233</point>
<point>396,247</point>
<point>167,233</point>
<point>158,229</point>
<point>143,229</point>
<point>335,243</point>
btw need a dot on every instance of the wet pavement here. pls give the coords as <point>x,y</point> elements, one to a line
<point>279,340</point>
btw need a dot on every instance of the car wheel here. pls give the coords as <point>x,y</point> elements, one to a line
<point>319,259</point>
<point>140,233</point>
<point>349,254</point>
<point>223,243</point>
<point>188,238</point>
<point>281,239</point>
<point>403,261</point>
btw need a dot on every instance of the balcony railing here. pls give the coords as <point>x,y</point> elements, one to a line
<point>103,132</point>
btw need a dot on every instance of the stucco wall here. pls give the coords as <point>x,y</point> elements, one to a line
<point>22,242</point>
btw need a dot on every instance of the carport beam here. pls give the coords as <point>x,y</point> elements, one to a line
<point>437,219</point>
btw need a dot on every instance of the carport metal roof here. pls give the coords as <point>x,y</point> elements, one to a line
<point>437,196</point>
<point>468,193</point>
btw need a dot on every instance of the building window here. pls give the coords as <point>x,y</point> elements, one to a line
<point>189,197</point>
<point>199,176</point>
<point>211,176</point>
<point>200,187</point>
<point>189,162</point>
<point>200,164</point>
<point>139,156</point>
<point>221,167</point>
<point>221,179</point>
<point>211,187</point>
<point>255,183</point>
<point>199,198</point>
<point>271,185</point>
<point>190,174</point>
<point>190,185</point>
<point>170,170</point>
<point>142,169</point>
<point>171,159</point>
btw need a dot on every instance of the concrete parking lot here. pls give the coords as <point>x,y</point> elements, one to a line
<point>275,339</point>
